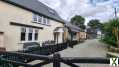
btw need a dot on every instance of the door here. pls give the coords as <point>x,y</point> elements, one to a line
<point>2,48</point>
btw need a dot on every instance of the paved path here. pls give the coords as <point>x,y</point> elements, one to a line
<point>90,48</point>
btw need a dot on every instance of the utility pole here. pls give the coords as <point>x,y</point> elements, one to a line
<point>115,12</point>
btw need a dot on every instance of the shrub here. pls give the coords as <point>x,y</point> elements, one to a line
<point>110,40</point>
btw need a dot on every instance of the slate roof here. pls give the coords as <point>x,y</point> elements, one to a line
<point>36,7</point>
<point>91,31</point>
<point>73,28</point>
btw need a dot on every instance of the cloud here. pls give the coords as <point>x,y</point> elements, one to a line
<point>100,10</point>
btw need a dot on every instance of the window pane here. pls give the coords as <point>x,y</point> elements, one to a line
<point>30,30</point>
<point>23,29</point>
<point>30,36</point>
<point>48,21</point>
<point>44,20</point>
<point>36,31</point>
<point>36,36</point>
<point>23,36</point>
<point>35,17</point>
<point>39,19</point>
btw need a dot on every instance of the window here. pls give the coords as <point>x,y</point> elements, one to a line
<point>23,34</point>
<point>36,34</point>
<point>35,18</point>
<point>44,22</point>
<point>29,34</point>
<point>40,19</point>
<point>48,21</point>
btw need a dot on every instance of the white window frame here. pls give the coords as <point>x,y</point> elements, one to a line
<point>27,33</point>
<point>36,18</point>
<point>48,21</point>
<point>44,20</point>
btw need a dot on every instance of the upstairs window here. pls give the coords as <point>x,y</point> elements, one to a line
<point>44,21</point>
<point>48,21</point>
<point>35,18</point>
<point>40,19</point>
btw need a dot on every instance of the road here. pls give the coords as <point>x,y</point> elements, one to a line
<point>90,48</point>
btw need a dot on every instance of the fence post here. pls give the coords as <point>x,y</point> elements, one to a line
<point>56,57</point>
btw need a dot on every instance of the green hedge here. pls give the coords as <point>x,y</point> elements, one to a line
<point>110,40</point>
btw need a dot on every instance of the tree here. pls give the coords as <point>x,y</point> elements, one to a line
<point>112,32</point>
<point>94,24</point>
<point>79,21</point>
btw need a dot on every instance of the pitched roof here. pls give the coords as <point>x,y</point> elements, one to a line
<point>36,7</point>
<point>73,28</point>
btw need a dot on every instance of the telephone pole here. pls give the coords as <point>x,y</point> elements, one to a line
<point>115,12</point>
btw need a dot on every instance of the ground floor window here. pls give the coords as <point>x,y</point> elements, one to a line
<point>36,34</point>
<point>23,34</point>
<point>29,34</point>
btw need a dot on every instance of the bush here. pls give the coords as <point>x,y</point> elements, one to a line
<point>110,40</point>
<point>111,30</point>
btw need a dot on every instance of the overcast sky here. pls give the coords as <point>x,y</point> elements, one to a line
<point>90,9</point>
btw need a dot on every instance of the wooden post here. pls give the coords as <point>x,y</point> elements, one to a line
<point>56,63</point>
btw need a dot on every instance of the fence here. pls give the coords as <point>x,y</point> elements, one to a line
<point>15,59</point>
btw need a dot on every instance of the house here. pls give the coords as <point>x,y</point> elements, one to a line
<point>73,32</point>
<point>82,35</point>
<point>24,23</point>
<point>99,33</point>
<point>91,33</point>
